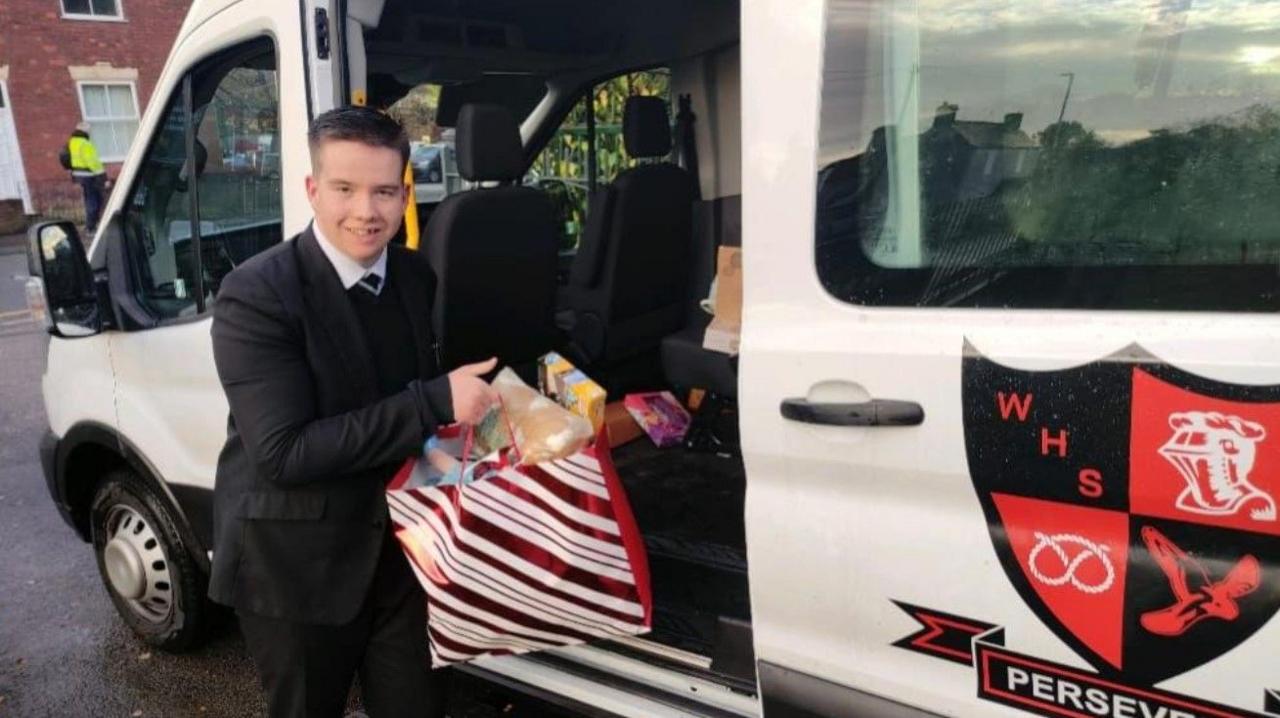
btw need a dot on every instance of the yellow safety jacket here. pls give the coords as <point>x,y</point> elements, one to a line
<point>84,157</point>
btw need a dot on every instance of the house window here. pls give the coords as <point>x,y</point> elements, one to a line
<point>111,109</point>
<point>92,9</point>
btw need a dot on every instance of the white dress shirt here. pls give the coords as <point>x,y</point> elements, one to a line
<point>350,272</point>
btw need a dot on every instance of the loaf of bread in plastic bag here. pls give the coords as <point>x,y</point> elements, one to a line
<point>543,429</point>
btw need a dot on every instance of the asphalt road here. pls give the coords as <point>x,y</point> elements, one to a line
<point>63,650</point>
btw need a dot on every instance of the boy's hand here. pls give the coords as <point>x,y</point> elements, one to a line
<point>472,395</point>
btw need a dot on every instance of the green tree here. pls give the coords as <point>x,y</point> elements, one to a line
<point>416,111</point>
<point>562,164</point>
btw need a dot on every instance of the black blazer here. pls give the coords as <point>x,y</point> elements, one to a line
<point>299,508</point>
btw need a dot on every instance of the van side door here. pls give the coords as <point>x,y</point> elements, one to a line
<point>1010,388</point>
<point>202,197</point>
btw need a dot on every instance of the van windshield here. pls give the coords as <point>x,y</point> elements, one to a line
<point>1064,133</point>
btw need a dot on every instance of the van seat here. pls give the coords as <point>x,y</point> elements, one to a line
<point>685,363</point>
<point>494,252</point>
<point>626,290</point>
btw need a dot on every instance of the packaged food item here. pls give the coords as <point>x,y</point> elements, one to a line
<point>543,430</point>
<point>660,415</point>
<point>492,433</point>
<point>574,390</point>
<point>436,467</point>
<point>551,371</point>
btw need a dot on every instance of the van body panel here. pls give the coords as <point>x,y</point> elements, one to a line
<point>178,416</point>
<point>845,525</point>
<point>202,10</point>
<point>324,89</point>
<point>170,402</point>
<point>78,383</point>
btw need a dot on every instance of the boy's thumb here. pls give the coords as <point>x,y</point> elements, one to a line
<point>480,368</point>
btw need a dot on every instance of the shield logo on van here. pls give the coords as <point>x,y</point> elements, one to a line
<point>1131,504</point>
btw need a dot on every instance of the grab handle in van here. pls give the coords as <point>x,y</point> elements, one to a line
<point>877,412</point>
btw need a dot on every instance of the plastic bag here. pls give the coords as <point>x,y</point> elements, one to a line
<point>544,430</point>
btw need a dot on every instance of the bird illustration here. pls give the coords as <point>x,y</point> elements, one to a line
<point>1196,597</point>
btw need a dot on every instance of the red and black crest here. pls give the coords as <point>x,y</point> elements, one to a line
<point>1133,505</point>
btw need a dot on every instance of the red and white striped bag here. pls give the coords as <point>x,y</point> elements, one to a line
<point>524,558</point>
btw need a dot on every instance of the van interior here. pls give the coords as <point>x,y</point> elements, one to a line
<point>580,169</point>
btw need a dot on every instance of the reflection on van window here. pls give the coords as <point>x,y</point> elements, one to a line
<point>239,189</point>
<point>432,152</point>
<point>157,221</point>
<point>1063,154</point>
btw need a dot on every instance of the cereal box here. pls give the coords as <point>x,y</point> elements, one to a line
<point>575,391</point>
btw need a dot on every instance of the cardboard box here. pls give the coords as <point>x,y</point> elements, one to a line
<point>551,370</point>
<point>729,285</point>
<point>722,336</point>
<point>621,425</point>
<point>726,327</point>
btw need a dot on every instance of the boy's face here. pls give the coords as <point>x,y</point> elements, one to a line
<point>358,195</point>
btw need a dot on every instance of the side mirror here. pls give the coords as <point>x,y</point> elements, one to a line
<point>56,259</point>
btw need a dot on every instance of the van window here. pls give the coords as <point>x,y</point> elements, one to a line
<point>432,154</point>
<point>1118,155</point>
<point>234,115</point>
<point>561,168</point>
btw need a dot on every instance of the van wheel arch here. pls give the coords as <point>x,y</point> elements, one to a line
<point>87,454</point>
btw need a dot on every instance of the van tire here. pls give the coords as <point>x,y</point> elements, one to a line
<point>145,564</point>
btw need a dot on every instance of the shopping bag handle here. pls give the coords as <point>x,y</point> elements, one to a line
<point>468,441</point>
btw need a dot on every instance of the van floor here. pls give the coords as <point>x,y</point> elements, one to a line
<point>689,506</point>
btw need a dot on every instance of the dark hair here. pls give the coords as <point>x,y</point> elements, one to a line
<point>358,124</point>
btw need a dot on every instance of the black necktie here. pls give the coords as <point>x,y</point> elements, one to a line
<point>371,282</point>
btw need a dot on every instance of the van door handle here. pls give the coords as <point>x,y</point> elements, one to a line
<point>877,412</point>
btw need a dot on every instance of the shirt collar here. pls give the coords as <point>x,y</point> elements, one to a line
<point>349,270</point>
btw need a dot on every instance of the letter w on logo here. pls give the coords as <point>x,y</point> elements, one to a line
<point>1011,403</point>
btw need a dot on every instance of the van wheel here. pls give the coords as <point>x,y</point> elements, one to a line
<point>145,564</point>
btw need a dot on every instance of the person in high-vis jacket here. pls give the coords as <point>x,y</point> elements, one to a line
<point>87,171</point>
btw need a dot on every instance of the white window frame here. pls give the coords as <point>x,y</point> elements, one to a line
<point>23,187</point>
<point>137,116</point>
<point>118,17</point>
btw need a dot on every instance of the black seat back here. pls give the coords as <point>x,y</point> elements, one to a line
<point>631,275</point>
<point>493,250</point>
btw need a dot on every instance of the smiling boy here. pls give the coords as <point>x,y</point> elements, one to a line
<point>324,349</point>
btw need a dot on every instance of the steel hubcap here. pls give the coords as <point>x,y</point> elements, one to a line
<point>124,568</point>
<point>136,565</point>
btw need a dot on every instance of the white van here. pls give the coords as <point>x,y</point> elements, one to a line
<point>1009,379</point>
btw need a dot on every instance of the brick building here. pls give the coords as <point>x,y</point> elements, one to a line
<point>64,61</point>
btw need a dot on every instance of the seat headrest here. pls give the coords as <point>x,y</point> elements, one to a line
<point>646,131</point>
<point>488,143</point>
